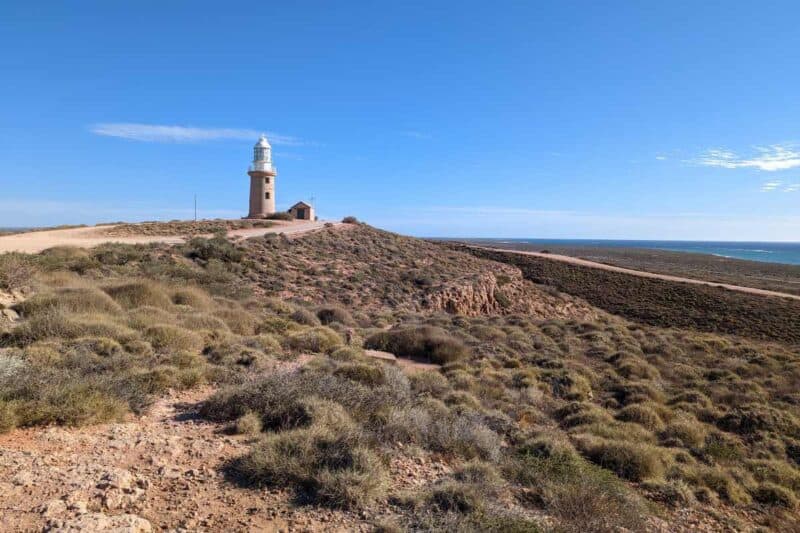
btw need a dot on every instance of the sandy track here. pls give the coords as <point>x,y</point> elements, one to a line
<point>652,275</point>
<point>36,241</point>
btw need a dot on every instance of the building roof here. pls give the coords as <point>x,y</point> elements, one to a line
<point>300,204</point>
<point>262,141</point>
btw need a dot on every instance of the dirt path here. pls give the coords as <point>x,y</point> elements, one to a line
<point>36,241</point>
<point>643,274</point>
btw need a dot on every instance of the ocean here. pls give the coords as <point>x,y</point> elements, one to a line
<point>768,252</point>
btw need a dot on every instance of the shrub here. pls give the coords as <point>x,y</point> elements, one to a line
<point>146,316</point>
<point>280,215</point>
<point>455,497</point>
<point>430,383</point>
<point>248,424</point>
<point>265,343</point>
<point>333,313</point>
<point>305,317</point>
<point>367,374</point>
<point>200,321</point>
<point>685,432</point>
<point>16,271</point>
<point>238,320</point>
<point>720,481</point>
<point>70,300</point>
<point>674,493</point>
<point>582,496</point>
<point>56,324</point>
<point>138,294</point>
<point>641,414</point>
<point>233,353</point>
<point>97,345</point>
<point>328,465</point>
<point>479,473</point>
<point>193,297</point>
<point>425,342</point>
<point>217,248</point>
<point>350,220</point>
<point>629,460</point>
<point>320,339</point>
<point>166,337</point>
<point>581,413</point>
<point>347,354</point>
<point>772,494</point>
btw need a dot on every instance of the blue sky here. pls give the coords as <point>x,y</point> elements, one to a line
<point>672,120</point>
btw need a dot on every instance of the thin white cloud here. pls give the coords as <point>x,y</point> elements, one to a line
<point>768,158</point>
<point>770,186</point>
<point>792,187</point>
<point>183,134</point>
<point>661,157</point>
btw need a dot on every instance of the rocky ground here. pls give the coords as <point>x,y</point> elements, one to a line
<point>164,471</point>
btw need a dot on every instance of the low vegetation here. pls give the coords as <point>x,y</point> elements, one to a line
<point>598,423</point>
<point>663,303</point>
<point>770,276</point>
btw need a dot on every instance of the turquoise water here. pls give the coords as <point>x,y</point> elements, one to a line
<point>768,252</point>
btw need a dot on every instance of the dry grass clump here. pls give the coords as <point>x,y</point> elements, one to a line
<point>319,339</point>
<point>238,320</point>
<point>329,314</point>
<point>56,324</point>
<point>642,414</point>
<point>347,354</point>
<point>193,297</point>
<point>305,317</point>
<point>582,496</point>
<point>428,343</point>
<point>140,293</point>
<point>71,300</point>
<point>327,465</point>
<point>16,271</point>
<point>629,460</point>
<point>166,337</point>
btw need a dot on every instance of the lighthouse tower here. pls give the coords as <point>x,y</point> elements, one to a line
<point>262,180</point>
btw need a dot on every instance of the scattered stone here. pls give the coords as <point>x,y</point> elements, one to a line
<point>23,478</point>
<point>53,508</point>
<point>97,522</point>
<point>117,478</point>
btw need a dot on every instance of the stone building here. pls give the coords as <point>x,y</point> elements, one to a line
<point>262,180</point>
<point>302,211</point>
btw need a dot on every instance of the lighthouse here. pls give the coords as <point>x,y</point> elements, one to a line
<point>262,180</point>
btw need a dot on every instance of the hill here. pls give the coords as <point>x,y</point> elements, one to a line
<point>232,386</point>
